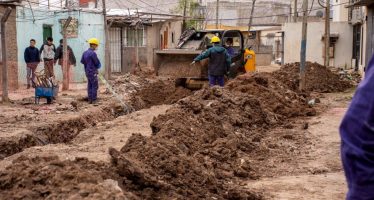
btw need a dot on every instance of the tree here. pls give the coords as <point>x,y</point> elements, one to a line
<point>192,12</point>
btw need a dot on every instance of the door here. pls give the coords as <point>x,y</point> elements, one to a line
<point>356,45</point>
<point>47,32</point>
<point>166,38</point>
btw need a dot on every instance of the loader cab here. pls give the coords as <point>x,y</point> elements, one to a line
<point>237,39</point>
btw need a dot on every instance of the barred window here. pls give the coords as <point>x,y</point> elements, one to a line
<point>130,37</point>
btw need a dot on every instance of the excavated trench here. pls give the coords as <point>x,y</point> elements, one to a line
<point>201,148</point>
<point>155,93</point>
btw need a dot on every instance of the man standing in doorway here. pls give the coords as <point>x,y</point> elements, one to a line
<point>219,62</point>
<point>91,66</point>
<point>47,52</point>
<point>59,56</point>
<point>32,59</point>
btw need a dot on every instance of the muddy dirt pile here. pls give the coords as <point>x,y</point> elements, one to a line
<point>199,149</point>
<point>158,92</point>
<point>51,178</point>
<point>318,79</point>
<point>144,92</point>
<point>273,95</point>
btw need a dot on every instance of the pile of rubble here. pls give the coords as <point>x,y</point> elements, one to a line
<point>318,78</point>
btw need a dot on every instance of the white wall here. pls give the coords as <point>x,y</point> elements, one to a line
<point>340,12</point>
<point>315,44</point>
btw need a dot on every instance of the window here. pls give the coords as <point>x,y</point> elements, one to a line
<point>130,38</point>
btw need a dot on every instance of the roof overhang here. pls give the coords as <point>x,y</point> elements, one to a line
<point>361,3</point>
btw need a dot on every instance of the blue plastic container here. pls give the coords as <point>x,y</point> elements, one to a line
<point>45,92</point>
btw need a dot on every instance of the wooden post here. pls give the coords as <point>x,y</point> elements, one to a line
<point>295,14</point>
<point>250,20</point>
<point>4,18</point>
<point>303,46</point>
<point>217,13</point>
<point>138,22</point>
<point>108,70</point>
<point>327,34</point>
<point>65,59</point>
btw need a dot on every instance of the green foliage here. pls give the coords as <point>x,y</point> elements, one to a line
<point>192,8</point>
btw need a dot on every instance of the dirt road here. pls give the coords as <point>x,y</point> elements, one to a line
<point>93,143</point>
<point>317,172</point>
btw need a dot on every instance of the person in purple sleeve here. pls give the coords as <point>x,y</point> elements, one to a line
<point>357,140</point>
<point>91,66</point>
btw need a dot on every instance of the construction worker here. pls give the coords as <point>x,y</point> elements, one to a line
<point>32,59</point>
<point>47,52</point>
<point>229,47</point>
<point>357,136</point>
<point>91,66</point>
<point>219,62</point>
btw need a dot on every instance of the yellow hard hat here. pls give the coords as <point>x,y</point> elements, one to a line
<point>215,39</point>
<point>93,41</point>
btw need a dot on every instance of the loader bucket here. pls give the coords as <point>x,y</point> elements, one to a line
<point>177,64</point>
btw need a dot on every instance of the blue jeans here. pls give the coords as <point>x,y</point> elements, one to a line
<point>216,80</point>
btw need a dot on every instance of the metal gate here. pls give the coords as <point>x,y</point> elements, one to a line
<point>115,49</point>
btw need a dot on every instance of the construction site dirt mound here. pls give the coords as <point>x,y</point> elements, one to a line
<point>318,78</point>
<point>51,178</point>
<point>199,148</point>
<point>273,95</point>
<point>144,92</point>
<point>158,92</point>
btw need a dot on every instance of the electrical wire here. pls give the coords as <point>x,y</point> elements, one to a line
<point>190,18</point>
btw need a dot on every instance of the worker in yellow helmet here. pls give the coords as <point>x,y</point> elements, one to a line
<point>219,62</point>
<point>91,66</point>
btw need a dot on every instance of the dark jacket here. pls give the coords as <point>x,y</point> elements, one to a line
<point>31,55</point>
<point>91,62</point>
<point>357,137</point>
<point>219,60</point>
<point>59,55</point>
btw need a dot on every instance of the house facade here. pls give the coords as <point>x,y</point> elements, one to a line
<point>39,24</point>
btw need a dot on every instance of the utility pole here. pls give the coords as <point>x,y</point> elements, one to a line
<point>184,25</point>
<point>217,13</point>
<point>303,45</point>
<point>251,17</point>
<point>107,53</point>
<point>137,24</point>
<point>4,18</point>
<point>65,59</point>
<point>295,14</point>
<point>327,34</point>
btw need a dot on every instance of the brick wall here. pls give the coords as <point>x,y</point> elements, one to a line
<point>11,41</point>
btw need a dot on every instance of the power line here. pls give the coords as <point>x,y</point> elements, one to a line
<point>191,18</point>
